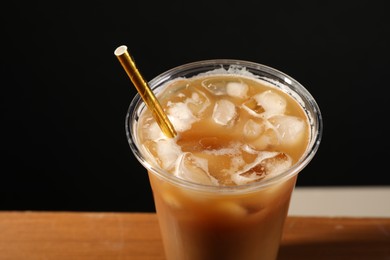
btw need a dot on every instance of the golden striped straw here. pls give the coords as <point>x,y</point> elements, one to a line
<point>145,91</point>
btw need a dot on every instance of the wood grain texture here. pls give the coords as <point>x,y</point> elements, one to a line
<point>83,235</point>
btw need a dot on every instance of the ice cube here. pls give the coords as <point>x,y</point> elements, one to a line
<point>236,89</point>
<point>290,128</point>
<point>252,129</point>
<point>181,116</point>
<point>253,108</point>
<point>224,112</point>
<point>215,86</point>
<point>271,102</point>
<point>198,103</point>
<point>266,163</point>
<point>194,169</point>
<point>168,152</point>
<point>231,148</point>
<point>277,164</point>
<point>230,209</point>
<point>242,179</point>
<point>153,132</point>
<point>249,149</point>
<point>171,199</point>
<point>268,137</point>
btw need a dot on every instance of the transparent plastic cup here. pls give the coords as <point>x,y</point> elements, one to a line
<point>205,222</point>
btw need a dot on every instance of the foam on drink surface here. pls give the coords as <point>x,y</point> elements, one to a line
<point>232,130</point>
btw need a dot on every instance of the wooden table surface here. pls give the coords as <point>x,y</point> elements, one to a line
<point>83,235</point>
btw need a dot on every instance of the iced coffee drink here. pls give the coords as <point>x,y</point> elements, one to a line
<point>222,186</point>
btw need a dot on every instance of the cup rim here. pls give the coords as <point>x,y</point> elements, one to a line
<point>315,119</point>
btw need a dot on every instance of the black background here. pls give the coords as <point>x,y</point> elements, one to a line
<point>64,95</point>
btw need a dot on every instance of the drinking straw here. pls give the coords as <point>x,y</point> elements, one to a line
<point>145,91</point>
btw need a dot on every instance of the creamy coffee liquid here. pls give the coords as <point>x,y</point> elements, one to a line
<point>232,129</point>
